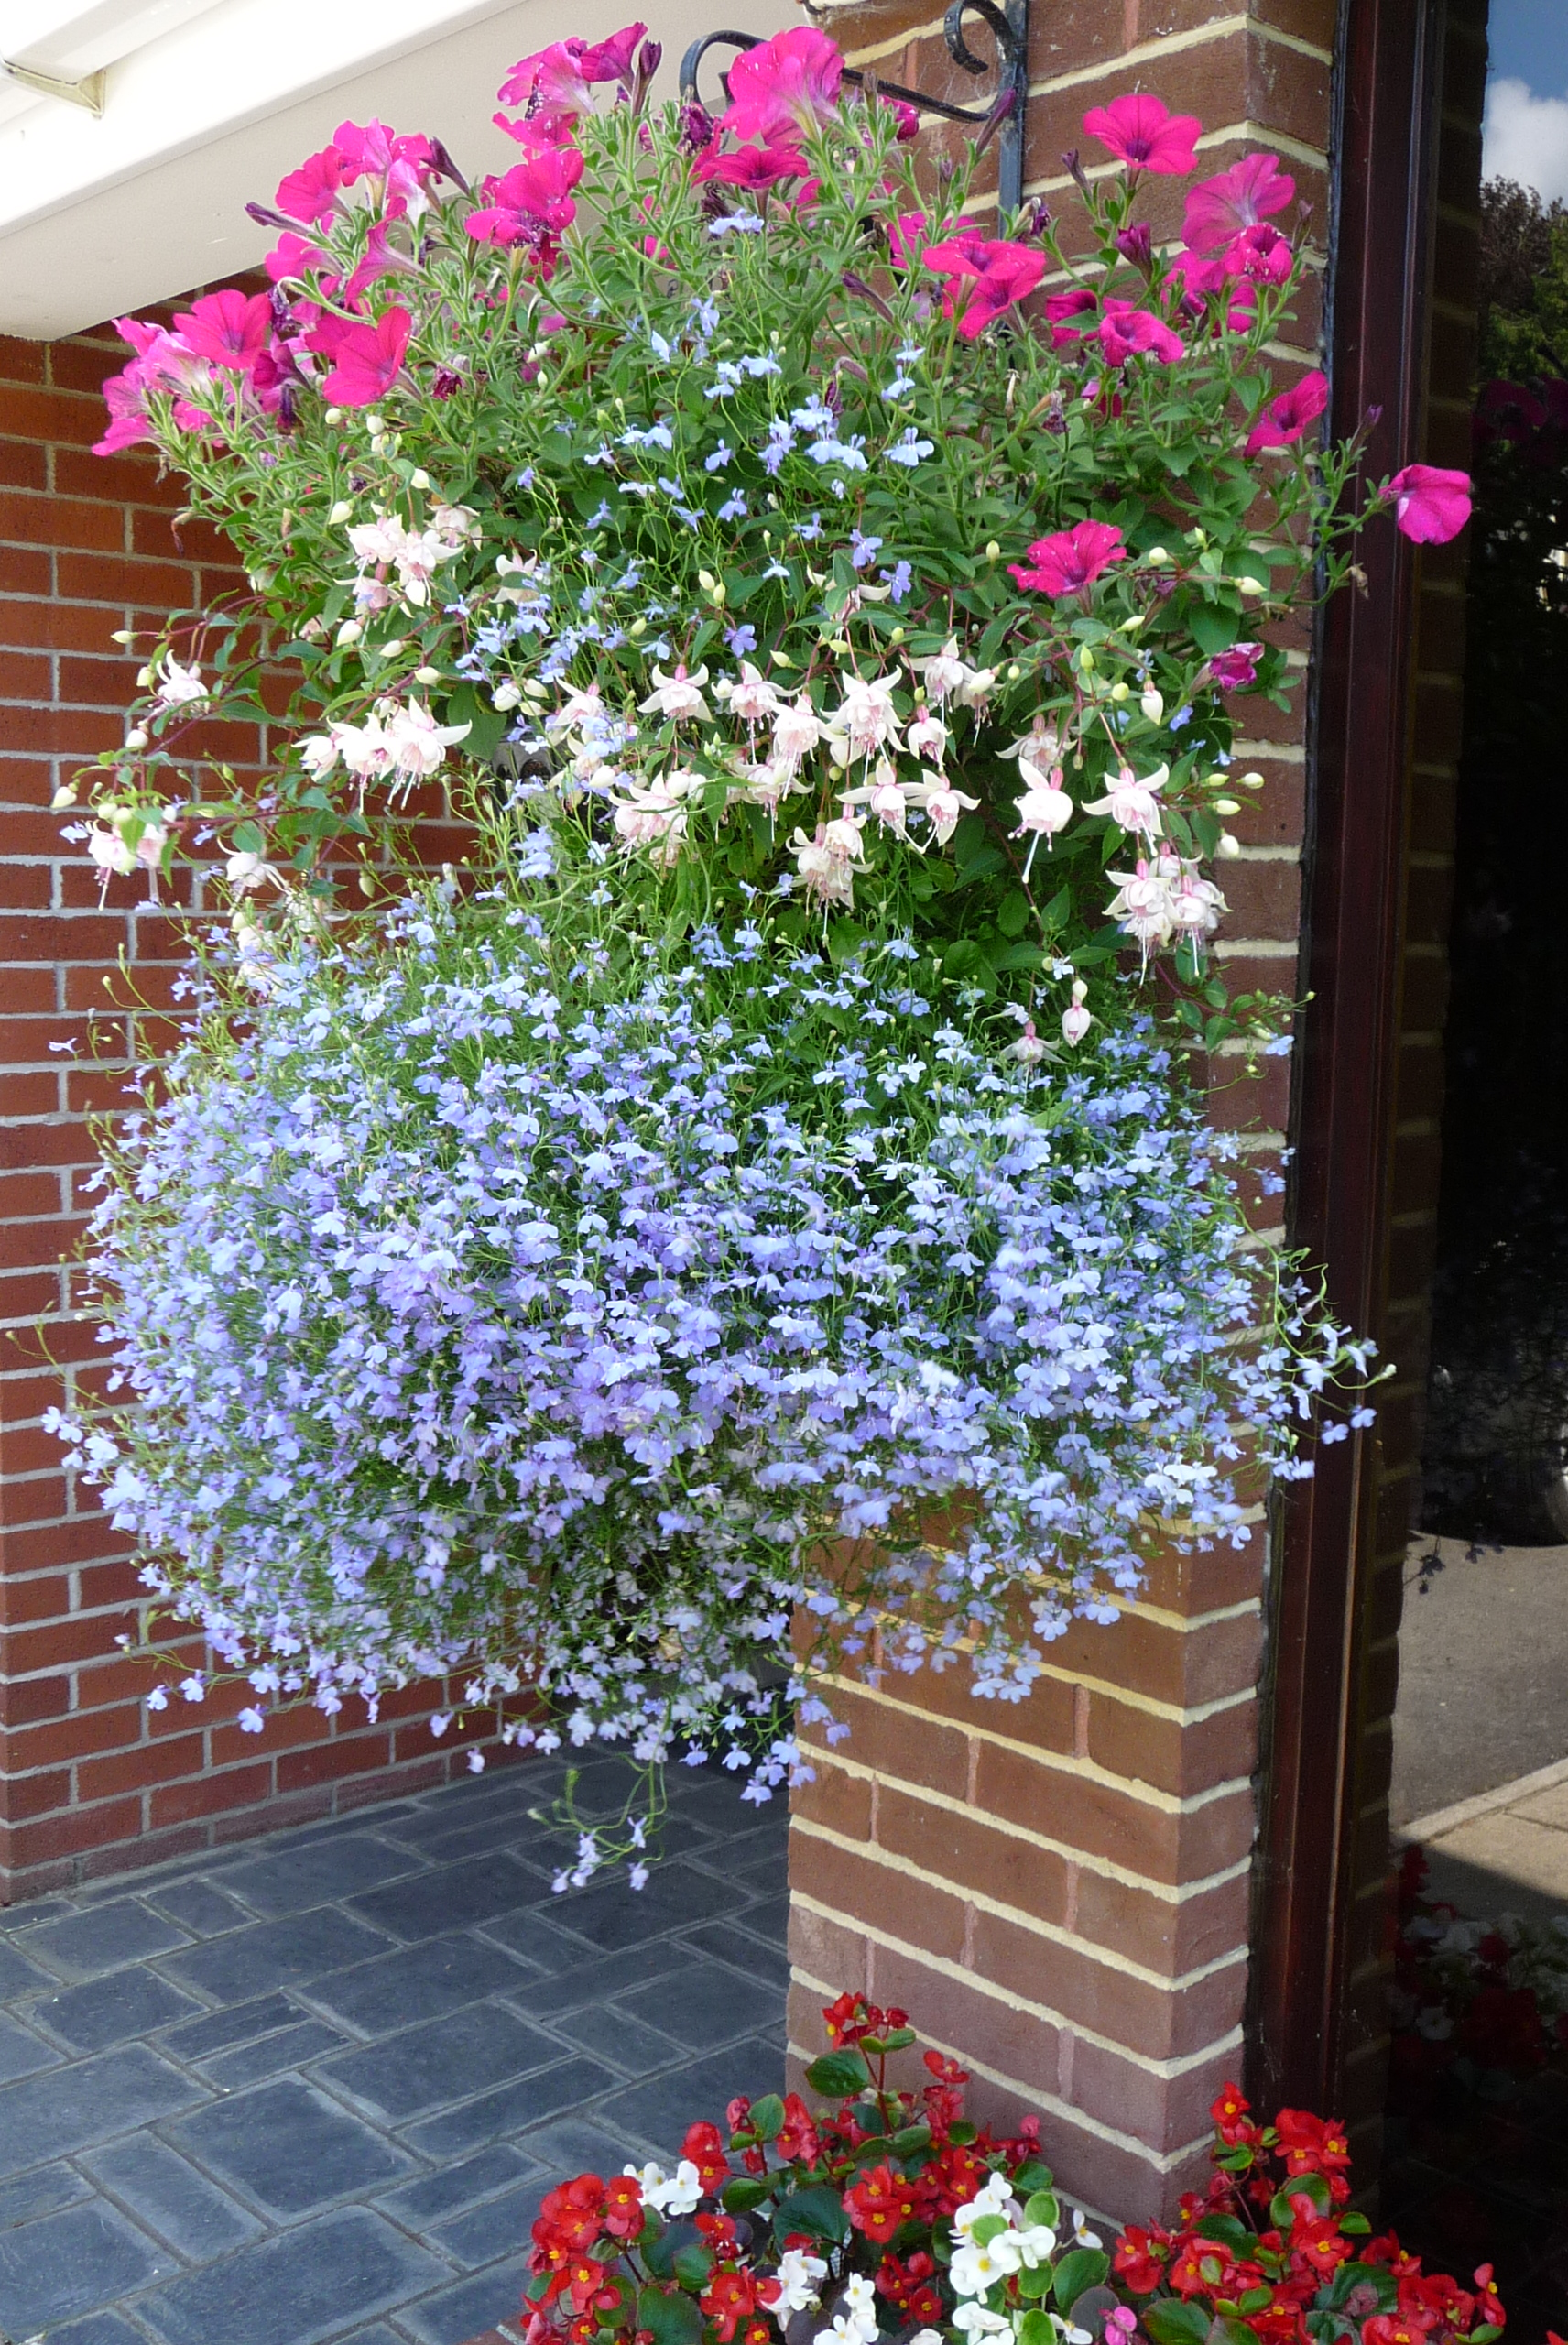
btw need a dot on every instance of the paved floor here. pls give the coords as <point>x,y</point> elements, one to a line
<point>312,2087</point>
<point>1482,1672</point>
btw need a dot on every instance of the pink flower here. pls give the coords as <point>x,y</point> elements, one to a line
<point>1060,307</point>
<point>983,278</point>
<point>228,328</point>
<point>1144,134</point>
<point>784,86</point>
<point>293,256</point>
<point>1429,505</point>
<point>1234,669</point>
<point>311,192</point>
<point>908,236</point>
<point>1125,330</point>
<point>1260,253</point>
<point>561,77</point>
<point>909,117</point>
<point>749,166</point>
<point>366,360</point>
<point>1219,209</point>
<point>370,151</point>
<point>1286,418</point>
<point>530,201</point>
<point>1069,560</point>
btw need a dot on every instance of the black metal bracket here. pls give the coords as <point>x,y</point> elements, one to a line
<point>1008,26</point>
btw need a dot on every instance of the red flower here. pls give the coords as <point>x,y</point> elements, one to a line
<point>591,2288</point>
<point>1316,2239</point>
<point>879,2202</point>
<point>1312,2145</point>
<point>730,2296</point>
<point>784,86</point>
<point>945,2071</point>
<point>1126,331</point>
<point>983,279</point>
<point>1069,560</point>
<point>1219,209</point>
<point>1140,2258</point>
<point>1142,132</point>
<point>719,2232</point>
<point>704,2146</point>
<point>1432,506</point>
<point>799,2141</point>
<point>1286,418</point>
<point>1487,2302</point>
<point>570,2215</point>
<point>623,2207</point>
<point>1061,307</point>
<point>1200,2266</point>
<point>366,360</point>
<point>1230,2110</point>
<point>1392,2328</point>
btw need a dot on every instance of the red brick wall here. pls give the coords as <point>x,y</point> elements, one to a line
<point>89,1780</point>
<point>1059,1892</point>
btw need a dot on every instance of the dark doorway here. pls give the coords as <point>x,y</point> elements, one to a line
<point>1477,2137</point>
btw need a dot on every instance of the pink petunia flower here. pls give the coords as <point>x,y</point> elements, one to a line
<point>1059,308</point>
<point>983,278</point>
<point>229,328</point>
<point>1125,330</point>
<point>1219,209</point>
<point>294,256</point>
<point>1430,506</point>
<point>749,166</point>
<point>402,166</point>
<point>366,360</point>
<point>1286,418</point>
<point>310,194</point>
<point>1142,132</point>
<point>531,198</point>
<point>1233,671</point>
<point>1070,561</point>
<point>785,87</point>
<point>563,78</point>
<point>1260,253</point>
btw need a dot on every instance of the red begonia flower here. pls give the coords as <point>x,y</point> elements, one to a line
<point>1142,132</point>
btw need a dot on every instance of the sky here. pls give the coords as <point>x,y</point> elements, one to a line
<point>1526,133</point>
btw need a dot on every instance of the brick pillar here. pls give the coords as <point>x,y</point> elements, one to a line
<point>89,1780</point>
<point>1058,1892</point>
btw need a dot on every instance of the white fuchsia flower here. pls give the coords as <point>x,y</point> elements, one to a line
<point>579,710</point>
<point>678,696</point>
<point>1132,802</point>
<point>1197,906</point>
<point>1142,902</point>
<point>926,737</point>
<point>797,729</point>
<point>1075,1023</point>
<point>178,685</point>
<point>866,720</point>
<point>943,807</point>
<point>749,695</point>
<point>943,671</point>
<point>110,852</point>
<point>826,861</point>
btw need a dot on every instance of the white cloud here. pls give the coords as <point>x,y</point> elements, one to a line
<point>1526,138</point>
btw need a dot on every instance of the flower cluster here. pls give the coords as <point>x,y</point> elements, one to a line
<point>475,1314</point>
<point>895,2215</point>
<point>1488,1996</point>
<point>689,454</point>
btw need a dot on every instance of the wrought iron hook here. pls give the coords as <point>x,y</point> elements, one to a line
<point>1009,27</point>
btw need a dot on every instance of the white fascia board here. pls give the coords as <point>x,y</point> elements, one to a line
<point>101,216</point>
<point>72,38</point>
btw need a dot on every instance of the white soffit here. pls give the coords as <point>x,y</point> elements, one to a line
<point>207,103</point>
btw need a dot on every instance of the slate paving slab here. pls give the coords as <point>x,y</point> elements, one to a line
<point>310,2090</point>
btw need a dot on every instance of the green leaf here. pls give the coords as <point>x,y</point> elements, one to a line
<point>692,2265</point>
<point>987,2228</point>
<point>741,2192</point>
<point>487,726</point>
<point>1311,2186</point>
<point>1035,2329</point>
<point>1033,2280</point>
<point>766,2119</point>
<point>1012,913</point>
<point>1170,2322</point>
<point>1355,2225</point>
<point>818,2210</point>
<point>658,2254</point>
<point>910,2138</point>
<point>1214,627</point>
<point>1228,2229</point>
<point>1226,2330</point>
<point>1033,2175</point>
<point>670,2317</point>
<point>893,2041</point>
<point>1041,2206</point>
<point>838,2073</point>
<point>1079,2268</point>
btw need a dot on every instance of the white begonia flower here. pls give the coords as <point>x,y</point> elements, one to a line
<point>797,2275</point>
<point>976,2321</point>
<point>677,2194</point>
<point>797,729</point>
<point>1069,2334</point>
<point>845,2329</point>
<point>1081,2235</point>
<point>178,684</point>
<point>860,2295</point>
<point>1132,802</point>
<point>974,2269</point>
<point>993,2197</point>
<point>680,695</point>
<point>1035,2245</point>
